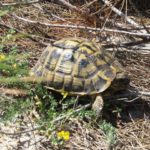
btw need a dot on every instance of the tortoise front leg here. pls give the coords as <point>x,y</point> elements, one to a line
<point>97,105</point>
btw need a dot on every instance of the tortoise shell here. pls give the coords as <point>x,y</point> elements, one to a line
<point>76,66</point>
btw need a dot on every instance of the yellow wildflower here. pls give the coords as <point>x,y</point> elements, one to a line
<point>65,135</point>
<point>60,134</point>
<point>2,57</point>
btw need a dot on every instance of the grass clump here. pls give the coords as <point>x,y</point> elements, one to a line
<point>109,132</point>
<point>14,109</point>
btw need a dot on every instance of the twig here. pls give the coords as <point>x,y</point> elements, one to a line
<point>31,36</point>
<point>18,3</point>
<point>118,12</point>
<point>4,98</point>
<point>70,5</point>
<point>32,126</point>
<point>26,131</point>
<point>69,114</point>
<point>82,27</point>
<point>130,50</point>
<point>13,92</point>
<point>139,46</point>
<point>128,100</point>
<point>144,93</point>
<point>89,4</point>
<point>123,26</point>
<point>122,97</point>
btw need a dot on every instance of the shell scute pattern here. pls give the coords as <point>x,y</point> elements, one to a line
<point>99,83</point>
<point>52,58</point>
<point>88,48</point>
<point>68,80</point>
<point>77,66</point>
<point>58,81</point>
<point>66,44</point>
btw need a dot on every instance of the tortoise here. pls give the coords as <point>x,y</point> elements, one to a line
<point>78,66</point>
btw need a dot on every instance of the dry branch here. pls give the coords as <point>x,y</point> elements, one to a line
<point>89,4</point>
<point>118,12</point>
<point>121,14</point>
<point>139,34</point>
<point>18,3</point>
<point>31,36</point>
<point>70,5</point>
<point>13,92</point>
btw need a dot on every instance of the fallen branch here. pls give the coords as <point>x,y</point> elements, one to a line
<point>28,35</point>
<point>22,132</point>
<point>13,92</point>
<point>144,93</point>
<point>19,92</point>
<point>18,3</point>
<point>121,14</point>
<point>70,5</point>
<point>139,34</point>
<point>139,46</point>
<point>89,4</point>
<point>118,12</point>
<point>4,98</point>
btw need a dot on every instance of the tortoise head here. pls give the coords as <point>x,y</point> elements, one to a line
<point>121,82</point>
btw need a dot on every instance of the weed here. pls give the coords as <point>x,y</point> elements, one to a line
<point>5,10</point>
<point>109,132</point>
<point>14,109</point>
<point>13,65</point>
